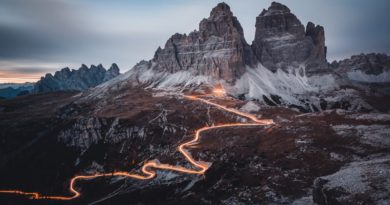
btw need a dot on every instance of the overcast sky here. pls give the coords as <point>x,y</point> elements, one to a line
<point>40,36</point>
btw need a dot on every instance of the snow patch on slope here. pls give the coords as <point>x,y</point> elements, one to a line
<point>259,82</point>
<point>256,83</point>
<point>250,107</point>
<point>183,78</point>
<point>116,83</point>
<point>291,88</point>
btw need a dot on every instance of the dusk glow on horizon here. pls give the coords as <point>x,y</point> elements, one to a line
<point>19,78</point>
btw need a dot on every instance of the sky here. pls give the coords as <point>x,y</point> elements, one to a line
<point>42,36</point>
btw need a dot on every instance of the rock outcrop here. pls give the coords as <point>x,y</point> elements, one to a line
<point>281,41</point>
<point>79,80</point>
<point>364,182</point>
<point>371,63</point>
<point>219,54</point>
<point>218,49</point>
<point>367,68</point>
<point>112,72</point>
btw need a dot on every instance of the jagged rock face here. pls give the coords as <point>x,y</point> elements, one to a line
<point>317,34</point>
<point>218,49</point>
<point>281,40</point>
<point>364,68</point>
<point>372,63</point>
<point>84,132</point>
<point>80,79</point>
<point>111,73</point>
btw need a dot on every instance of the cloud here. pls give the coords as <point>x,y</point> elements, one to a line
<point>20,43</point>
<point>40,29</point>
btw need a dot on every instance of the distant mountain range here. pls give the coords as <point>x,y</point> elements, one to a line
<point>11,90</point>
<point>76,80</point>
<point>63,80</point>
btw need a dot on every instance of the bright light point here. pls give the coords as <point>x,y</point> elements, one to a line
<point>219,91</point>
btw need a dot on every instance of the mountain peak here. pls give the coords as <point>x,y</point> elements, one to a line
<point>221,9</point>
<point>114,66</point>
<point>275,8</point>
<point>112,72</point>
<point>217,50</point>
<point>84,67</point>
<point>221,21</point>
<point>278,26</point>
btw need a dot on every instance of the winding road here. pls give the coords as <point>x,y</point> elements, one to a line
<point>148,169</point>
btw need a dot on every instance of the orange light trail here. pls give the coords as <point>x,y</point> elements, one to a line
<point>148,169</point>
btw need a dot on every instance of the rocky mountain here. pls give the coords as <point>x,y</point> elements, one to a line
<point>281,41</point>
<point>220,51</point>
<point>217,50</point>
<point>77,80</point>
<point>285,65</point>
<point>365,68</point>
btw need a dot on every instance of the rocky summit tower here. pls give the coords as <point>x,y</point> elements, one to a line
<point>281,41</point>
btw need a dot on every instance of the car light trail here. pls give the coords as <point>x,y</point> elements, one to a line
<point>148,169</point>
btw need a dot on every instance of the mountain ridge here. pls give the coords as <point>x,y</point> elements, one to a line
<point>76,80</point>
<point>286,64</point>
<point>219,49</point>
